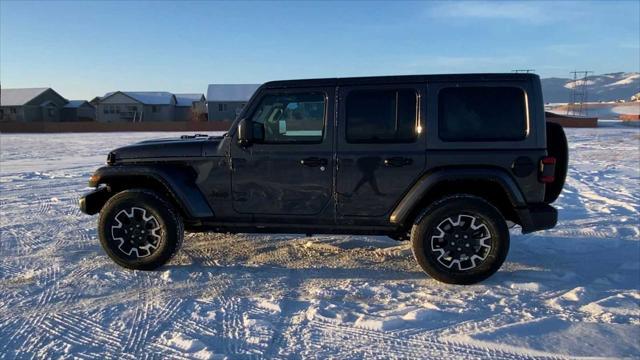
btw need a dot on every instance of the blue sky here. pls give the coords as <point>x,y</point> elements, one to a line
<point>84,49</point>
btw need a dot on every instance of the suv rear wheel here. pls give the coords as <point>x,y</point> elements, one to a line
<point>460,240</point>
<point>140,230</point>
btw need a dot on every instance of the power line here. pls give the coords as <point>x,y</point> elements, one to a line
<point>523,71</point>
<point>579,93</point>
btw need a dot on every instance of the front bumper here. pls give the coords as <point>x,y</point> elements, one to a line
<point>91,202</point>
<point>537,217</point>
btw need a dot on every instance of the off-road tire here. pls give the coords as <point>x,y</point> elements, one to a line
<point>168,229</point>
<point>557,147</point>
<point>426,230</point>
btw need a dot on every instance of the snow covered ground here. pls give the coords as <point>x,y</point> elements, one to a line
<point>570,291</point>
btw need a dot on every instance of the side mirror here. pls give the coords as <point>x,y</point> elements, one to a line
<point>245,133</point>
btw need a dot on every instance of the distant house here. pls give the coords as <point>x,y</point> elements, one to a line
<point>191,107</point>
<point>31,105</point>
<point>78,110</point>
<point>136,106</point>
<point>225,101</point>
<point>95,101</point>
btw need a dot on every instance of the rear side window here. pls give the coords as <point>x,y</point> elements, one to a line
<point>381,116</point>
<point>482,114</point>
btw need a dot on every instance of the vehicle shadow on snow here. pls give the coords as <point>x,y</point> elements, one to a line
<point>338,257</point>
<point>535,261</point>
<point>320,271</point>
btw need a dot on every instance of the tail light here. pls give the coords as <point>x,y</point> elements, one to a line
<point>547,169</point>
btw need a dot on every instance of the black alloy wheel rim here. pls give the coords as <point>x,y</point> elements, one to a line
<point>461,242</point>
<point>136,233</point>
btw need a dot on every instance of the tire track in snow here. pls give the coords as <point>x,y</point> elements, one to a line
<point>19,240</point>
<point>86,324</point>
<point>71,208</point>
<point>138,328</point>
<point>157,307</point>
<point>9,271</point>
<point>583,232</point>
<point>9,326</point>
<point>79,330</point>
<point>85,267</point>
<point>230,326</point>
<point>287,324</point>
<point>36,319</point>
<point>165,313</point>
<point>27,325</point>
<point>187,325</point>
<point>43,206</point>
<point>358,342</point>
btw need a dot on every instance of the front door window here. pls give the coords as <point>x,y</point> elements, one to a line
<point>291,118</point>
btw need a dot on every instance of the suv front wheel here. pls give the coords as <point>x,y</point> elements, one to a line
<point>140,230</point>
<point>460,240</point>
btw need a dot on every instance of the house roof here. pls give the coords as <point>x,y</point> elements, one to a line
<point>188,99</point>
<point>48,103</point>
<point>19,97</point>
<point>77,103</point>
<point>231,92</point>
<point>146,97</point>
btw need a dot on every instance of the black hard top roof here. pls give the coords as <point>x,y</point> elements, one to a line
<point>377,80</point>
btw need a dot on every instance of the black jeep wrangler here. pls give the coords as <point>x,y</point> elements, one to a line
<point>444,160</point>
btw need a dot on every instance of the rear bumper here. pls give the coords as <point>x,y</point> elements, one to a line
<point>91,202</point>
<point>537,217</point>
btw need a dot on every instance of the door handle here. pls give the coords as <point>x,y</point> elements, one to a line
<point>397,161</point>
<point>314,162</point>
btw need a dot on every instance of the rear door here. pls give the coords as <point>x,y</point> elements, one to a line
<point>290,172</point>
<point>380,150</point>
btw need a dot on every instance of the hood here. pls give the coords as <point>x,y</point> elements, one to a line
<point>169,149</point>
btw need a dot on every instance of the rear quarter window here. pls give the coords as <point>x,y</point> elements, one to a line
<point>482,113</point>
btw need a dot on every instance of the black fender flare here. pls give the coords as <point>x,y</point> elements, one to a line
<point>427,182</point>
<point>177,180</point>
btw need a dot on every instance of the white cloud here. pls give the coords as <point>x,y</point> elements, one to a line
<point>518,11</point>
<point>632,44</point>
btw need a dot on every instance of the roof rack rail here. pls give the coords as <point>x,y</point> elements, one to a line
<point>193,136</point>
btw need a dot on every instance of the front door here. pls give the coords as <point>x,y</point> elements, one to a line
<point>290,172</point>
<point>380,149</point>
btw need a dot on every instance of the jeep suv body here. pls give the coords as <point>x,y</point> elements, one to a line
<point>445,160</point>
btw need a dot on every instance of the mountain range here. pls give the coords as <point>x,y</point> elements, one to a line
<point>605,87</point>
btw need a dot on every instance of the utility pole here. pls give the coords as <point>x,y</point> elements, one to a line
<point>579,93</point>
